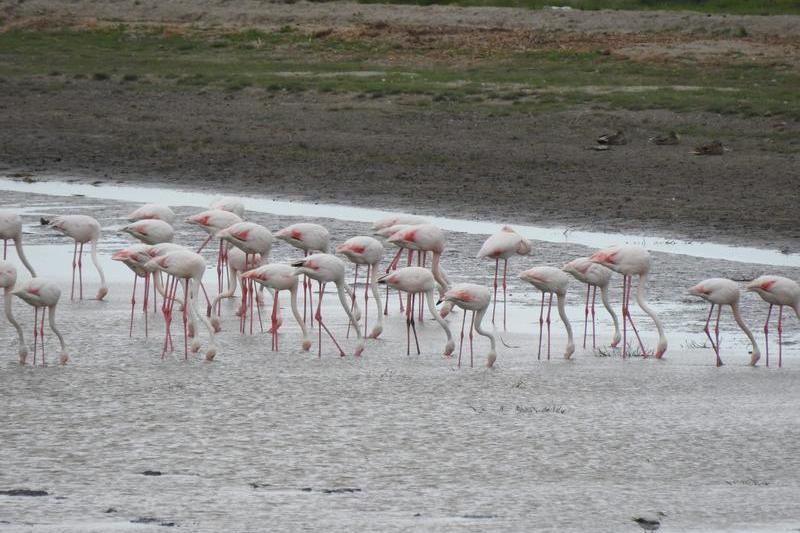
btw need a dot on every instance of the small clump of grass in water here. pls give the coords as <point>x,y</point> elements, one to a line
<point>608,351</point>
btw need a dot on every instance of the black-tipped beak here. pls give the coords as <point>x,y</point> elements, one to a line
<point>298,263</point>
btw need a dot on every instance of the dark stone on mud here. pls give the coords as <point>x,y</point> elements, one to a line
<point>151,520</point>
<point>23,492</point>
<point>306,489</point>
<point>110,510</point>
<point>343,490</point>
<point>479,516</point>
<point>151,473</point>
<point>259,485</point>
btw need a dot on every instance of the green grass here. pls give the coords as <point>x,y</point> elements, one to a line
<point>751,7</point>
<point>287,60</point>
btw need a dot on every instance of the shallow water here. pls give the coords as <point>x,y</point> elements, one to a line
<point>573,445</point>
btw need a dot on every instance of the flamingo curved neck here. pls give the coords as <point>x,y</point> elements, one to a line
<point>562,312</point>
<point>640,299</point>
<point>11,319</point>
<point>21,254</point>
<point>738,318</point>
<point>481,331</point>
<point>343,290</point>
<point>439,319</point>
<point>376,293</point>
<point>607,305</point>
<point>296,312</point>
<point>97,265</point>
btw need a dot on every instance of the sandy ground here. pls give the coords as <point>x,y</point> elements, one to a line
<point>391,442</point>
<point>340,148</point>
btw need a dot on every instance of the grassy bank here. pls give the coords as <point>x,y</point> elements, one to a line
<point>506,79</point>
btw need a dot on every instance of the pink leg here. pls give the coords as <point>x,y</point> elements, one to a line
<point>203,244</point>
<point>219,269</point>
<point>322,325</point>
<point>133,303</point>
<point>594,338</point>
<point>35,332</point>
<point>41,336</point>
<point>624,316</point>
<point>305,293</point>
<point>74,266</point>
<point>461,341</point>
<point>275,321</point>
<point>186,320</point>
<point>708,331</point>
<point>392,266</point>
<point>780,332</point>
<point>366,296</point>
<point>80,268</point>
<point>633,326</point>
<point>766,335</point>
<point>353,301</point>
<point>155,291</point>
<point>471,327</point>
<point>421,262</point>
<point>505,271</point>
<point>586,316</point>
<point>146,299</point>
<point>549,307</point>
<point>541,324</point>
<point>413,324</point>
<point>5,249</point>
<point>252,298</point>
<point>716,335</point>
<point>243,308</point>
<point>494,287</point>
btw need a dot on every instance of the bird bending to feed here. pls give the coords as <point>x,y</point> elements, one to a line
<point>504,244</point>
<point>154,212</point>
<point>417,280</point>
<point>712,148</point>
<point>82,229</point>
<point>279,277</point>
<point>594,276</point>
<point>327,268</point>
<point>254,240</point>
<point>128,257</point>
<point>780,291</point>
<point>632,261</point>
<point>8,278</point>
<point>363,250</point>
<point>150,231</point>
<point>11,229</point>
<point>213,221</point>
<point>40,294</point>
<point>238,263</point>
<point>188,267</point>
<point>310,238</point>
<point>229,203</point>
<point>394,220</point>
<point>475,298</point>
<point>613,139</point>
<point>719,292</point>
<point>670,138</point>
<point>551,280</point>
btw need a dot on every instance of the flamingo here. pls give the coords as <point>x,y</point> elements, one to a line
<point>279,277</point>
<point>11,229</point>
<point>394,220</point>
<point>228,203</point>
<point>125,256</point>
<point>253,239</point>
<point>327,268</point>
<point>152,211</point>
<point>310,238</point>
<point>82,229</point>
<point>8,278</point>
<point>425,238</point>
<point>150,231</point>
<point>186,266</point>
<point>417,280</point>
<point>238,262</point>
<point>213,221</point>
<point>40,293</point>
<point>387,232</point>
<point>551,280</point>
<point>719,292</point>
<point>475,298</point>
<point>594,276</point>
<point>632,261</point>
<point>368,251</point>
<point>780,291</point>
<point>504,244</point>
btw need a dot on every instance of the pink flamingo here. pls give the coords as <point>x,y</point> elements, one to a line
<point>504,244</point>
<point>228,203</point>
<point>425,238</point>
<point>719,292</point>
<point>213,221</point>
<point>82,229</point>
<point>11,229</point>
<point>387,232</point>
<point>594,276</point>
<point>150,231</point>
<point>327,268</point>
<point>310,238</point>
<point>8,278</point>
<point>254,240</point>
<point>153,211</point>
<point>394,220</point>
<point>475,298</point>
<point>40,293</point>
<point>780,291</point>
<point>238,263</point>
<point>417,280</point>
<point>364,250</point>
<point>125,256</point>
<point>188,267</point>
<point>632,261</point>
<point>278,277</point>
<point>551,280</point>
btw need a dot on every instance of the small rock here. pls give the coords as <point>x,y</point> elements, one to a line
<point>151,473</point>
<point>110,510</point>
<point>306,489</point>
<point>23,492</point>
<point>340,490</point>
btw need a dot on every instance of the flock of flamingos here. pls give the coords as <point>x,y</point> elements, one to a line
<point>242,261</point>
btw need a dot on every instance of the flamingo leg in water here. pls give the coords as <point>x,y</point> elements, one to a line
<point>461,339</point>
<point>5,249</point>
<point>421,262</point>
<point>41,336</point>
<point>322,325</point>
<point>766,335</point>
<point>780,331</point>
<point>203,244</point>
<point>708,331</point>
<point>541,324</point>
<point>35,333</point>
<point>505,271</point>
<point>366,296</point>
<point>186,319</point>
<point>624,316</point>
<point>549,307</point>
<point>275,321</point>
<point>219,268</point>
<point>494,287</point>
<point>630,318</point>
<point>353,300</point>
<point>146,300</point>
<point>80,269</point>
<point>413,324</point>
<point>586,315</point>
<point>471,327</point>
<point>594,337</point>
<point>716,335</point>
<point>392,265</point>
<point>74,266</point>
<point>133,303</point>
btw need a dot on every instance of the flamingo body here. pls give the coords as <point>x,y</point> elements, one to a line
<point>475,298</point>
<point>41,293</point>
<point>11,229</point>
<point>153,212</point>
<point>150,230</point>
<point>780,291</point>
<point>595,276</point>
<point>551,280</point>
<point>82,229</point>
<point>8,278</point>
<point>364,250</point>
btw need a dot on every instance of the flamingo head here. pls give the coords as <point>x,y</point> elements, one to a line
<point>23,355</point>
<point>200,219</point>
<point>605,257</point>
<point>661,348</point>
<point>699,290</point>
<point>490,359</point>
<point>8,275</point>
<point>306,345</point>
<point>359,350</point>
<point>101,293</point>
<point>524,247</point>
<point>449,347</point>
